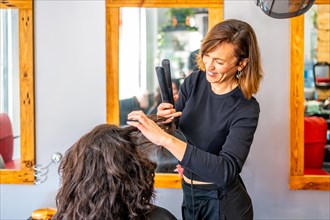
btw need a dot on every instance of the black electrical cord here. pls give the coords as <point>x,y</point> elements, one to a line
<point>192,195</point>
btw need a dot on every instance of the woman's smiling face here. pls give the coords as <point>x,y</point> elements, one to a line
<point>221,64</point>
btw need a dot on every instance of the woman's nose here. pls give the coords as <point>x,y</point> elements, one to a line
<point>209,65</point>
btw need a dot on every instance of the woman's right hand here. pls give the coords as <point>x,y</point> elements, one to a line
<point>167,110</point>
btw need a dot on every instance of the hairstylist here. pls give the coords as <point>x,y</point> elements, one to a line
<point>219,117</point>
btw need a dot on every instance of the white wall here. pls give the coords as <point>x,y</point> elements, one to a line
<point>69,91</point>
<point>70,100</point>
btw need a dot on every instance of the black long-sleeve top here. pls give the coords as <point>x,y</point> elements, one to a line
<point>219,130</point>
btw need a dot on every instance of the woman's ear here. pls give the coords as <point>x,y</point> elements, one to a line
<point>242,64</point>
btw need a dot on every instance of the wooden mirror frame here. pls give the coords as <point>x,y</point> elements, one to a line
<point>215,15</point>
<point>24,175</point>
<point>297,178</point>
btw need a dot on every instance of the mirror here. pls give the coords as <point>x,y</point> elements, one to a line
<point>163,33</point>
<point>9,90</point>
<point>160,36</point>
<point>21,109</point>
<point>298,178</point>
<point>113,17</point>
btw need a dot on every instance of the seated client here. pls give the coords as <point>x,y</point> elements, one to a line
<point>107,174</point>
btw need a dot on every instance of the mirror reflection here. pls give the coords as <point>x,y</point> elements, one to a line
<point>147,36</point>
<point>317,91</point>
<point>9,90</point>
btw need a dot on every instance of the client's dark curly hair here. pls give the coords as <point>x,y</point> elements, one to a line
<point>107,175</point>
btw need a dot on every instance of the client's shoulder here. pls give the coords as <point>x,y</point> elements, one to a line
<point>161,213</point>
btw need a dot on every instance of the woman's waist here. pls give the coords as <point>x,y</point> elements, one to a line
<point>193,178</point>
<point>209,185</point>
<point>188,183</point>
<point>194,182</point>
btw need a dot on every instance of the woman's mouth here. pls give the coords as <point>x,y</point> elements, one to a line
<point>211,74</point>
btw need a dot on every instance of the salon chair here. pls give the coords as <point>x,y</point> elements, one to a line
<point>6,141</point>
<point>315,134</point>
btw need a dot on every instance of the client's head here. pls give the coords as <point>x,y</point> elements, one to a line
<point>107,175</point>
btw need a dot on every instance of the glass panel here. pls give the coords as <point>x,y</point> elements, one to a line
<point>9,90</point>
<point>317,90</point>
<point>147,36</point>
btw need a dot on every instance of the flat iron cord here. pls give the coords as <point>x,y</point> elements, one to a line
<point>192,195</point>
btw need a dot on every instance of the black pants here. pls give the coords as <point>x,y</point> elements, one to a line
<point>209,202</point>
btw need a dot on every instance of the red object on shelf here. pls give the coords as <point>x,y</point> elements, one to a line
<point>322,80</point>
<point>315,134</point>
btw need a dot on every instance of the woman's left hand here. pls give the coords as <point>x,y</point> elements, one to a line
<point>180,170</point>
<point>148,127</point>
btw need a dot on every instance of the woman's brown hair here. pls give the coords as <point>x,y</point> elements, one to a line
<point>107,174</point>
<point>242,36</point>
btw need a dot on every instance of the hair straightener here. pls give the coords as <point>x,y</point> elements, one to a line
<point>165,85</point>
<point>165,81</point>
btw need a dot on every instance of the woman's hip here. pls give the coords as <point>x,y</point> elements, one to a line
<point>231,203</point>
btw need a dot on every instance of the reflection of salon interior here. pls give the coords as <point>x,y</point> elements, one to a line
<point>164,33</point>
<point>9,92</point>
<point>317,90</point>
